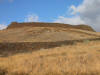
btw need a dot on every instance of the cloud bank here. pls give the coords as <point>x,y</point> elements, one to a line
<point>88,13</point>
<point>73,20</point>
<point>32,18</point>
<point>2,26</point>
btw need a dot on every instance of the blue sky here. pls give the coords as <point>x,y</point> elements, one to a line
<point>46,10</point>
<point>60,11</point>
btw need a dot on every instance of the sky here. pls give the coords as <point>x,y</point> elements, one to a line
<point>58,11</point>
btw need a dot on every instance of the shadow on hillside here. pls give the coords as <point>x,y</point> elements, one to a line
<point>8,49</point>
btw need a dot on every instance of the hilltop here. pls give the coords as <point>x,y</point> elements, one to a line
<point>41,24</point>
<point>44,32</point>
<point>25,37</point>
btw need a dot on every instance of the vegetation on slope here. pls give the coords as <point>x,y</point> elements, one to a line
<point>49,49</point>
<point>79,59</point>
<point>44,34</point>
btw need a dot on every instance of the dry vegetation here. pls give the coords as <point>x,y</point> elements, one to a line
<point>79,59</point>
<point>49,49</point>
<point>44,34</point>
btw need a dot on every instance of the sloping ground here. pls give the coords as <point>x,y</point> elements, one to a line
<point>9,49</point>
<point>43,34</point>
<point>78,59</point>
<point>49,50</point>
<point>28,39</point>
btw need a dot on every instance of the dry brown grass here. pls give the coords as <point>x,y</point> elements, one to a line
<point>44,34</point>
<point>79,59</point>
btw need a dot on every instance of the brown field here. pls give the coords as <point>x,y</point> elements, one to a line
<point>79,59</point>
<point>46,49</point>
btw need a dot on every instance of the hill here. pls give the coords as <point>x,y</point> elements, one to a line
<point>44,32</point>
<point>26,37</point>
<point>49,49</point>
<point>39,24</point>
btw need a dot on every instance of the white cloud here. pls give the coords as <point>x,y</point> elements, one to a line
<point>2,26</point>
<point>73,9</point>
<point>89,13</point>
<point>73,20</point>
<point>32,18</point>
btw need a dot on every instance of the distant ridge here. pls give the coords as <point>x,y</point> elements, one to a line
<point>40,24</point>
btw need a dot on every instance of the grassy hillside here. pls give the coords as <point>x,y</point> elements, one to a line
<point>78,59</point>
<point>49,49</point>
<point>44,34</point>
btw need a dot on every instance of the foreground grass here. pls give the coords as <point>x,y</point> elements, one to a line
<point>79,59</point>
